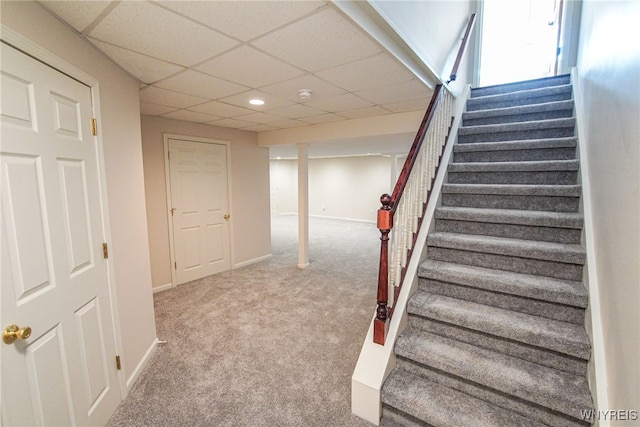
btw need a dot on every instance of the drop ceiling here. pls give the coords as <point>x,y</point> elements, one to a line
<point>202,61</point>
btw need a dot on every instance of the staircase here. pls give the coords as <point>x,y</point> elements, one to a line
<point>495,333</point>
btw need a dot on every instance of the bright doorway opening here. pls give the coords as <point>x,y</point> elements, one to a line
<point>519,40</point>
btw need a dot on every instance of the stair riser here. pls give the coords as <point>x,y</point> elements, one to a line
<point>568,153</point>
<point>498,201</point>
<point>541,356</point>
<point>515,87</point>
<point>549,310</point>
<point>395,417</point>
<point>516,135</point>
<point>517,118</point>
<point>518,178</point>
<point>545,234</point>
<point>476,104</point>
<point>557,270</point>
<point>530,410</point>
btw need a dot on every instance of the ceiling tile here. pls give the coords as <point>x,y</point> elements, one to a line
<point>339,103</point>
<point>199,84</point>
<point>144,68</point>
<point>156,95</point>
<point>78,14</point>
<point>365,112</point>
<point>231,123</point>
<point>154,109</point>
<point>250,67</point>
<point>323,118</point>
<point>289,89</point>
<point>261,118</point>
<point>259,128</point>
<point>220,109</point>
<point>414,105</point>
<point>190,116</point>
<point>378,70</point>
<point>296,111</point>
<point>322,40</point>
<point>410,90</point>
<point>244,20</point>
<point>288,124</point>
<point>146,28</point>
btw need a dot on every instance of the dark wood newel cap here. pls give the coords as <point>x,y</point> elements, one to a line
<point>385,199</point>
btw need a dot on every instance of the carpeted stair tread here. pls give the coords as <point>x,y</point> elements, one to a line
<point>442,406</point>
<point>515,189</point>
<point>547,251</point>
<point>394,418</point>
<point>535,166</point>
<point>511,216</point>
<point>536,92</point>
<point>569,142</point>
<point>560,80</point>
<point>519,126</point>
<point>559,391</point>
<point>525,285</point>
<point>561,337</point>
<point>518,111</point>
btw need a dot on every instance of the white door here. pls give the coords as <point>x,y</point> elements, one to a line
<point>54,278</point>
<point>200,209</point>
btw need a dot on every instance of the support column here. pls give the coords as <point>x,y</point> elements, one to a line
<point>303,205</point>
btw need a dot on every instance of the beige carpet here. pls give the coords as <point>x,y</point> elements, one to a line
<point>264,345</point>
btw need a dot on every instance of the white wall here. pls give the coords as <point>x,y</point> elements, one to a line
<point>250,221</point>
<point>120,127</point>
<point>284,186</point>
<point>431,28</point>
<point>339,187</point>
<point>609,83</point>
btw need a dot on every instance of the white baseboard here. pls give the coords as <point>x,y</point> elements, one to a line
<point>252,261</point>
<point>162,288</point>
<point>143,362</point>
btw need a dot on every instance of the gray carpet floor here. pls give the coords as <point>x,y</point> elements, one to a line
<point>265,345</point>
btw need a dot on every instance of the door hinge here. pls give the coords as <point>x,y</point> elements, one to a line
<point>94,127</point>
<point>169,155</point>
<point>118,365</point>
<point>105,251</point>
<point>175,265</point>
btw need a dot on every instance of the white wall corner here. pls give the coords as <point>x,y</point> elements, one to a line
<point>597,364</point>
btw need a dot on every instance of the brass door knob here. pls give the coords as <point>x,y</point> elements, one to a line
<point>227,216</point>
<point>13,332</point>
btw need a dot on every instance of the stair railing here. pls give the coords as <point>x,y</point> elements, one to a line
<point>402,211</point>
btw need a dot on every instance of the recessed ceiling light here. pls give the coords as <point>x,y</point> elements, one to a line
<point>305,94</point>
<point>256,101</point>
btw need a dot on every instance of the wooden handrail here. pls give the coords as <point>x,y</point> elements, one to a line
<point>385,220</point>
<point>390,203</point>
<point>463,48</point>
<point>401,183</point>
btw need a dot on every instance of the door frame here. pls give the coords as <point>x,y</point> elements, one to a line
<point>41,54</point>
<point>167,178</point>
